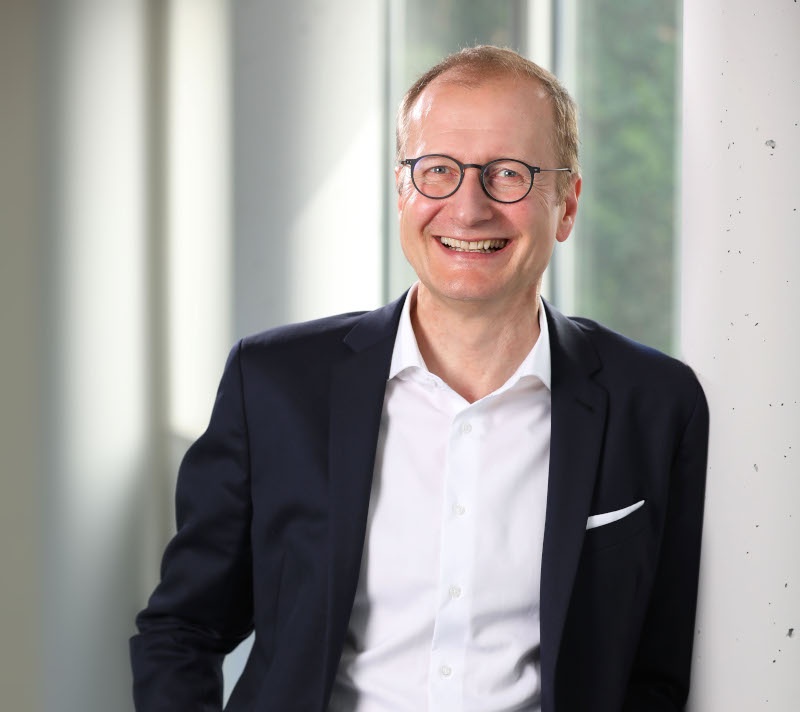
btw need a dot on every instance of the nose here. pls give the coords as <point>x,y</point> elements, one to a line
<point>470,203</point>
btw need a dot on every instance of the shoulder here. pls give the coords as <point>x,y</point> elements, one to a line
<point>622,355</point>
<point>626,368</point>
<point>311,344</point>
<point>289,338</point>
<point>645,385</point>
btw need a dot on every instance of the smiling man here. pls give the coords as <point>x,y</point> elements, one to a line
<point>463,501</point>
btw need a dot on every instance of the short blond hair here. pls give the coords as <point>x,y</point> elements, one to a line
<point>474,66</point>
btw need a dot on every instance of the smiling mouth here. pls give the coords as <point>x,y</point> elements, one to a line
<point>482,246</point>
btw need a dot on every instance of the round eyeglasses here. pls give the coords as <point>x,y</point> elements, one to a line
<point>505,180</point>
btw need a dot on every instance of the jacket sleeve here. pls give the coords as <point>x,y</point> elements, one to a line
<point>661,672</point>
<point>203,606</point>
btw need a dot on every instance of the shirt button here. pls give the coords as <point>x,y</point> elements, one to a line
<point>459,509</point>
<point>466,428</point>
<point>445,671</point>
<point>455,592</point>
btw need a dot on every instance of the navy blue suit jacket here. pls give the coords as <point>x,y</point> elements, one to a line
<point>272,505</point>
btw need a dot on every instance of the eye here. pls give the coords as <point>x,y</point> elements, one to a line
<point>507,174</point>
<point>436,170</point>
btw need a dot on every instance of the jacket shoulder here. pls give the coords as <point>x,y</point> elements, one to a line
<point>314,333</point>
<point>311,344</point>
<point>625,361</point>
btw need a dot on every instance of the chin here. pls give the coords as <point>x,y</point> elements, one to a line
<point>470,292</point>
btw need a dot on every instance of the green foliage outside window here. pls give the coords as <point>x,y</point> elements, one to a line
<point>627,92</point>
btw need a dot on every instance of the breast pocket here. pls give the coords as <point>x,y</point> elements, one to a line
<point>616,532</point>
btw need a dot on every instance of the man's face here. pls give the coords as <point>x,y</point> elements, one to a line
<point>499,119</point>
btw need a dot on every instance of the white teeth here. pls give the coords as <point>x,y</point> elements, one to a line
<point>472,245</point>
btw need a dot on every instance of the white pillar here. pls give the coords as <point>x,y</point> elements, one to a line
<point>96,440</point>
<point>740,317</point>
<point>197,221</point>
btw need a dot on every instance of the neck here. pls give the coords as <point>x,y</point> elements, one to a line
<point>471,346</point>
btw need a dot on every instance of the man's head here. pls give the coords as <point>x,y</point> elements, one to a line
<point>476,228</point>
<point>483,64</point>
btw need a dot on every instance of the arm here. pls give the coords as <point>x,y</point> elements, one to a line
<point>660,676</point>
<point>203,607</point>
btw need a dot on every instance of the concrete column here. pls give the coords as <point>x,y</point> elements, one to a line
<point>740,311</point>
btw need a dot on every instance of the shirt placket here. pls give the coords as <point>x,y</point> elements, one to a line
<point>456,564</point>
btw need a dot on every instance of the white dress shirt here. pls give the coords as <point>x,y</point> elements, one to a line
<point>446,613</point>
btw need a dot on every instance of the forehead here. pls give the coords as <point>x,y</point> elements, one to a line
<point>499,116</point>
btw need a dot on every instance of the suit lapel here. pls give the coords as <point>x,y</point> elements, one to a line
<point>358,384</point>
<point>577,424</point>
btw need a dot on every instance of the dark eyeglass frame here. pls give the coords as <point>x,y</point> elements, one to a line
<point>412,162</point>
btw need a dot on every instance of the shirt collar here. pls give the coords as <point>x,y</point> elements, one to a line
<point>406,354</point>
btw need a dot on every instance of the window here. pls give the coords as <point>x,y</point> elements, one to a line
<point>627,90</point>
<point>620,60</point>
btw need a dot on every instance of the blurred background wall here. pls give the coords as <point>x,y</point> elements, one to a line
<point>171,179</point>
<point>175,174</point>
<point>21,486</point>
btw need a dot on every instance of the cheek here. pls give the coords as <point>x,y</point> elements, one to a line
<point>542,199</point>
<point>538,218</point>
<point>416,211</point>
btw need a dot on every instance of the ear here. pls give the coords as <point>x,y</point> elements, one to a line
<point>569,208</point>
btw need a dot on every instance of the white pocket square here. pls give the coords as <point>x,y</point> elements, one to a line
<point>598,520</point>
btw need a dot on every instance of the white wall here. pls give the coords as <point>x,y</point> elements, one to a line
<point>740,314</point>
<point>97,434</point>
<point>74,394</point>
<point>309,132</point>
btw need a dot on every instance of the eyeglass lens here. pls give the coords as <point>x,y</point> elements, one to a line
<point>439,177</point>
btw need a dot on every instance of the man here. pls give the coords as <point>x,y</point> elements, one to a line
<point>460,501</point>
